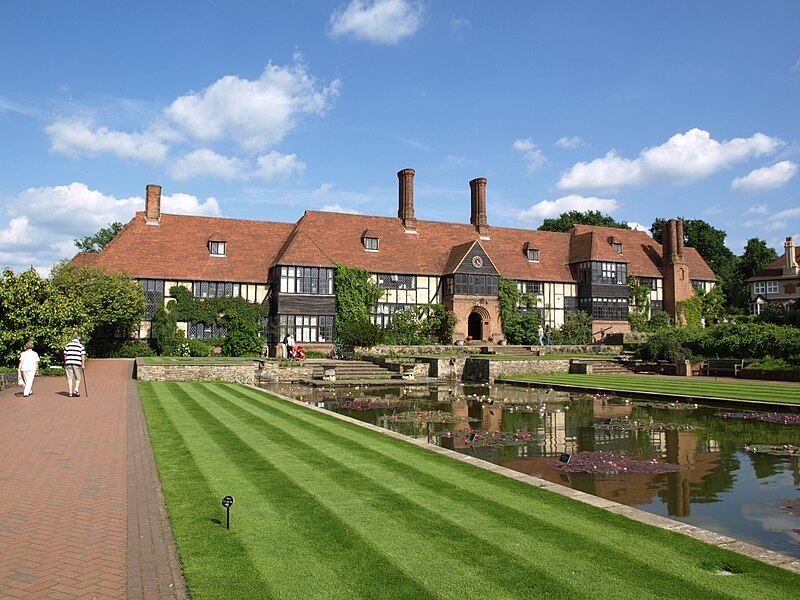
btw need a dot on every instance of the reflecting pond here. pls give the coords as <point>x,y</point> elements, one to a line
<point>719,485</point>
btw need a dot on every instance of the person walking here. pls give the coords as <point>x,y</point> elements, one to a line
<point>28,368</point>
<point>74,362</point>
<point>540,334</point>
<point>548,334</point>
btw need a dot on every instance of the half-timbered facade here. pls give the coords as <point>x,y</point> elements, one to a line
<point>291,266</point>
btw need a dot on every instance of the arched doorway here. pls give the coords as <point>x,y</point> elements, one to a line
<point>475,326</point>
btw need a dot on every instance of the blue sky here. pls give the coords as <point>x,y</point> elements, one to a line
<point>262,110</point>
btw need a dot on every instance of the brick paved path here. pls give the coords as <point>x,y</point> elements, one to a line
<point>81,512</point>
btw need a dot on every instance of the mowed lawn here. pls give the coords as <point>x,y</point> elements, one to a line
<point>327,509</point>
<point>761,391</point>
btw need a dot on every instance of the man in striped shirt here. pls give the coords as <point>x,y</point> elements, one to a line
<point>74,361</point>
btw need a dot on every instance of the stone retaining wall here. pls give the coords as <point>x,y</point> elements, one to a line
<point>229,372</point>
<point>488,370</point>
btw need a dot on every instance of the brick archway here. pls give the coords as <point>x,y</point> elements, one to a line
<point>478,323</point>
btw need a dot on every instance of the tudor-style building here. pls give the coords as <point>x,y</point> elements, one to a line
<point>779,282</point>
<point>291,265</point>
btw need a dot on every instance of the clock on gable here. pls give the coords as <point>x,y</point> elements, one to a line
<point>477,262</point>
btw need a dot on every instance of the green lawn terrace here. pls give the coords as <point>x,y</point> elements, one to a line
<point>329,509</point>
<point>686,388</point>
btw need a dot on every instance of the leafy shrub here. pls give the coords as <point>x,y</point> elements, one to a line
<point>577,329</point>
<point>315,354</point>
<point>132,349</point>
<point>522,329</point>
<point>774,364</point>
<point>424,324</point>
<point>746,340</point>
<point>197,347</point>
<point>665,345</point>
<point>165,332</point>
<point>360,333</point>
<point>242,339</point>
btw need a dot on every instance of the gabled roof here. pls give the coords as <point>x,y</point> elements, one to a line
<point>177,248</point>
<point>774,270</point>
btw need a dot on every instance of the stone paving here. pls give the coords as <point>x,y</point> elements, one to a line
<point>81,512</point>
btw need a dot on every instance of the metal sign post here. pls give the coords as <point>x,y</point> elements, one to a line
<point>227,502</point>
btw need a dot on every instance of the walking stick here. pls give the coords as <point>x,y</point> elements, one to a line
<point>85,386</point>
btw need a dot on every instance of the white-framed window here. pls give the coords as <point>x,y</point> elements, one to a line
<point>617,246</point>
<point>307,280</point>
<point>533,254</point>
<point>765,287</point>
<point>371,243</point>
<point>217,248</point>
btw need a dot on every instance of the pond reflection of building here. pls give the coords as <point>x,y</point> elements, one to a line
<point>460,408</point>
<point>603,408</point>
<point>492,417</point>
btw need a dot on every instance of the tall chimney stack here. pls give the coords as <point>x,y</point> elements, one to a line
<point>789,260</point>
<point>152,208</point>
<point>405,210</point>
<point>478,198</point>
<point>677,284</point>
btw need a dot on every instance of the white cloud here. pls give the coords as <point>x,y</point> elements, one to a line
<point>73,137</point>
<point>278,166</point>
<point>381,21</point>
<point>186,204</point>
<point>570,143</point>
<point>765,178</point>
<point>207,163</point>
<point>796,65</point>
<point>339,209</point>
<point>758,209</point>
<point>531,153</point>
<point>323,189</point>
<point>685,157</point>
<point>255,114</point>
<point>552,208</point>
<point>43,222</point>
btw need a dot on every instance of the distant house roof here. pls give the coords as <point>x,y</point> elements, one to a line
<point>774,270</point>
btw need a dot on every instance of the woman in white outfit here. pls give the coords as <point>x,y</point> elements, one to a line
<point>28,368</point>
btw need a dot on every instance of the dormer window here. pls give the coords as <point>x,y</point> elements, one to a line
<point>616,244</point>
<point>370,241</point>
<point>532,252</point>
<point>216,248</point>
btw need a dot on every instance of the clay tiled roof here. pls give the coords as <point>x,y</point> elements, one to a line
<point>775,269</point>
<point>322,239</point>
<point>177,248</point>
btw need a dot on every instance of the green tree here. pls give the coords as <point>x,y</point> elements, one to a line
<point>95,243</point>
<point>165,331</point>
<point>757,255</point>
<point>32,309</point>
<point>106,301</point>
<point>565,221</point>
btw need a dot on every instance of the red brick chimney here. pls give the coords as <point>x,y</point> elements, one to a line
<point>478,197</point>
<point>406,194</point>
<point>677,285</point>
<point>152,207</point>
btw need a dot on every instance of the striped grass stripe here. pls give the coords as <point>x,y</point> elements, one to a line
<point>327,509</point>
<point>761,391</point>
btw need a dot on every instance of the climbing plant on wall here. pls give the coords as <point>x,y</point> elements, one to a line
<point>356,295</point>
